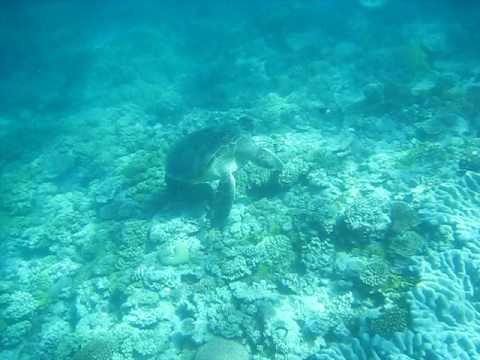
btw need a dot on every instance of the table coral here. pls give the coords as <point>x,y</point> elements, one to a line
<point>406,244</point>
<point>403,216</point>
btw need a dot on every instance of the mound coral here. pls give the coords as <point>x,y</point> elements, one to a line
<point>222,349</point>
<point>14,334</point>
<point>175,253</point>
<point>19,305</point>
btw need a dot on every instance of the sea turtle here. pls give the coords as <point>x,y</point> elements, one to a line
<point>215,153</point>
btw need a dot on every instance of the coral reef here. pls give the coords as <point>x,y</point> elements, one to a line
<point>366,246</point>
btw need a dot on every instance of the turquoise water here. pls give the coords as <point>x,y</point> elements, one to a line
<point>291,180</point>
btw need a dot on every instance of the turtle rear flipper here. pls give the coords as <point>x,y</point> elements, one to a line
<point>223,200</point>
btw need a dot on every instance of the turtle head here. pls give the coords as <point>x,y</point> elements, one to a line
<point>248,150</point>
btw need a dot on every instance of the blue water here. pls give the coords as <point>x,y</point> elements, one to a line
<point>240,180</point>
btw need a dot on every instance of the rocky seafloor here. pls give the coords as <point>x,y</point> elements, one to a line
<point>366,246</point>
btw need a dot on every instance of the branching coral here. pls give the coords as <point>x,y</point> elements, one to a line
<point>375,275</point>
<point>100,348</point>
<point>425,154</point>
<point>317,254</point>
<point>132,243</point>
<point>276,256</point>
<point>367,218</point>
<point>393,319</point>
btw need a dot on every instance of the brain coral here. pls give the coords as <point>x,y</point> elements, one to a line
<point>445,304</point>
<point>221,349</point>
<point>455,204</point>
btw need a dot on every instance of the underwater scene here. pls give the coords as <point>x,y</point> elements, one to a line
<point>240,180</point>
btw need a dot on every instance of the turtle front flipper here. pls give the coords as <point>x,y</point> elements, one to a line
<point>223,201</point>
<point>265,158</point>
